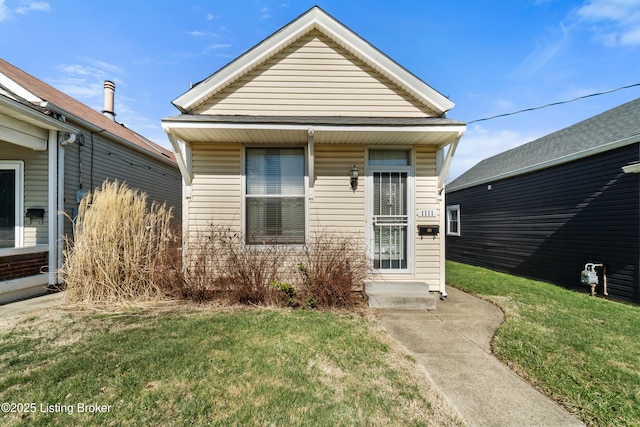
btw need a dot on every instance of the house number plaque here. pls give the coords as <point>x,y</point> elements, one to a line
<point>428,213</point>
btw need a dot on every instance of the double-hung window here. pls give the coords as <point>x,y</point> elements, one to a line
<point>453,220</point>
<point>275,196</point>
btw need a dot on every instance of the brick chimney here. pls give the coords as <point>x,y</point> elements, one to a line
<point>109,89</point>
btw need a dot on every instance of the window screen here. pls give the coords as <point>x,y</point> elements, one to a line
<point>275,196</point>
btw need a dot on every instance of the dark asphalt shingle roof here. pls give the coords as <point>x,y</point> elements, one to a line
<point>613,125</point>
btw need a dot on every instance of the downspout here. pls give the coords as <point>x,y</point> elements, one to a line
<point>60,216</point>
<point>56,202</point>
<point>52,201</point>
<point>61,189</point>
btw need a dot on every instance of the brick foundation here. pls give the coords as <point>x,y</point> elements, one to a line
<point>18,266</point>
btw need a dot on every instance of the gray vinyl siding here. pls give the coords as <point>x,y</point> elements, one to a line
<point>35,189</point>
<point>547,224</point>
<point>92,159</point>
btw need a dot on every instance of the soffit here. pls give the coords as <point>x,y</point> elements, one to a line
<point>325,130</point>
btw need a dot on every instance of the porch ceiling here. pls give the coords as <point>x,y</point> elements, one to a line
<point>326,130</point>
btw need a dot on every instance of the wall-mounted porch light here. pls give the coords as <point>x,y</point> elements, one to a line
<point>354,178</point>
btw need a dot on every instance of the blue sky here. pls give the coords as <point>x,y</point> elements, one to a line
<point>489,57</point>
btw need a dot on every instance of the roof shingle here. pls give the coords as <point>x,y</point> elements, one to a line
<point>614,125</point>
<point>82,111</point>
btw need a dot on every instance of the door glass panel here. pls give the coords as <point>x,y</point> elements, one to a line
<point>388,158</point>
<point>7,208</point>
<point>390,220</point>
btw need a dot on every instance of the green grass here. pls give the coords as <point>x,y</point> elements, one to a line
<point>582,351</point>
<point>219,367</point>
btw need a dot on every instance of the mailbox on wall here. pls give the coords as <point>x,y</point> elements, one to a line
<point>35,213</point>
<point>428,230</point>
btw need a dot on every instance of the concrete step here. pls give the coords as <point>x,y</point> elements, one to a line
<point>400,295</point>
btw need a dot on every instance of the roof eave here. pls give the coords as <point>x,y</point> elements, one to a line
<point>123,141</point>
<point>548,164</point>
<point>36,117</point>
<point>324,133</point>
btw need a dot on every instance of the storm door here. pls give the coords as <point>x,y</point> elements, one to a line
<point>390,220</point>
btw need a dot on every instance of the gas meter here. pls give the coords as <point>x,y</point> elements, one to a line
<point>590,277</point>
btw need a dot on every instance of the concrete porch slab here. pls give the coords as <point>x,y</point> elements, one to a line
<point>399,295</point>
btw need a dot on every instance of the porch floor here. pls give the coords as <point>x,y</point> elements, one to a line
<point>400,295</point>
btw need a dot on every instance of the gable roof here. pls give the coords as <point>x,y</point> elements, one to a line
<point>34,90</point>
<point>614,128</point>
<point>319,20</point>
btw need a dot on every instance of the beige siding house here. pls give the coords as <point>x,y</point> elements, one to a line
<point>315,129</point>
<point>54,149</point>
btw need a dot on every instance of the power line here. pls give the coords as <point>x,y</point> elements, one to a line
<point>553,104</point>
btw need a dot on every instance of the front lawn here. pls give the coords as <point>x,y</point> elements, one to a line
<point>186,366</point>
<point>582,351</point>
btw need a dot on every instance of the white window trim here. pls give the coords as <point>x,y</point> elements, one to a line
<point>18,167</point>
<point>450,209</point>
<point>243,226</point>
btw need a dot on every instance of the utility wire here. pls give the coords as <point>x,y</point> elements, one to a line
<point>553,104</point>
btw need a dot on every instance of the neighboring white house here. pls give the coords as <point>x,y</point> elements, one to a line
<point>268,145</point>
<point>53,150</point>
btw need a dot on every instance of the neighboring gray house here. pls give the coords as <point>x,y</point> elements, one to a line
<point>54,149</point>
<point>546,208</point>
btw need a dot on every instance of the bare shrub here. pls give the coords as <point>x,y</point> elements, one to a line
<point>326,273</point>
<point>333,269</point>
<point>120,248</point>
<point>219,264</point>
<point>201,268</point>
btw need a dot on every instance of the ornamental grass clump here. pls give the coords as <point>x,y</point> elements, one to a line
<point>120,248</point>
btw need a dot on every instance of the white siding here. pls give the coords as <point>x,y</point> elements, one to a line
<point>314,77</point>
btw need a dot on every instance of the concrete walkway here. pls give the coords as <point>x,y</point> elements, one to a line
<point>18,308</point>
<point>453,344</point>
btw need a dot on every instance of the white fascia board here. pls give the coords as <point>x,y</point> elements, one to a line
<point>44,121</point>
<point>316,18</point>
<point>18,89</point>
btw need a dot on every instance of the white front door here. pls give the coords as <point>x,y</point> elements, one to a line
<point>390,204</point>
